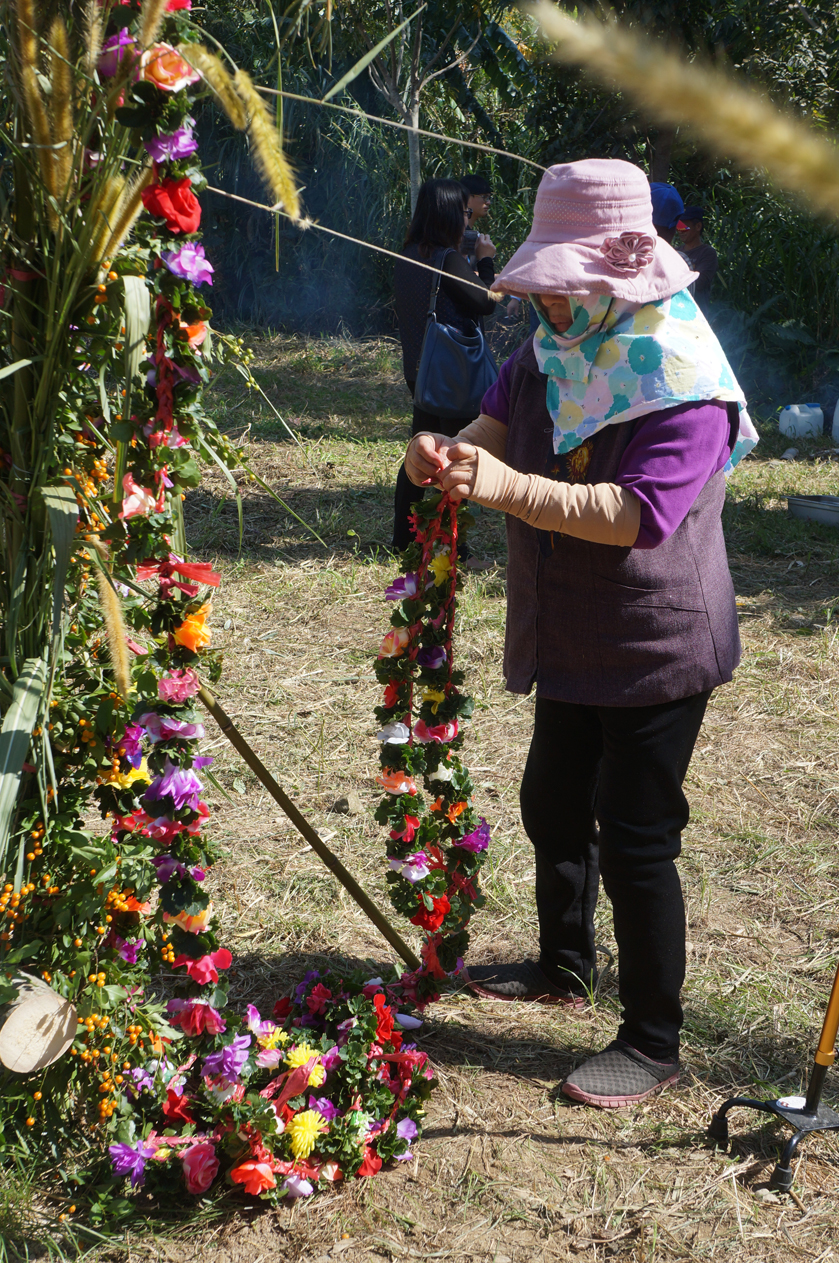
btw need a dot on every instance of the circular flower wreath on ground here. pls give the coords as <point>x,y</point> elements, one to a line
<point>435,851</point>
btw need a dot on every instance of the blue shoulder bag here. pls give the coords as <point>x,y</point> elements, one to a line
<point>455,369</point>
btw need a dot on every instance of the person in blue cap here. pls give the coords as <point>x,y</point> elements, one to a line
<point>668,209</point>
<point>701,256</point>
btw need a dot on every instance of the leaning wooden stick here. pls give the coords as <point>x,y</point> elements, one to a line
<point>305,829</point>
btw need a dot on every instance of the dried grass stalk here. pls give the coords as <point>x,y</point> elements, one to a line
<point>726,115</point>
<point>27,34</point>
<point>103,214</point>
<point>40,129</point>
<point>61,79</point>
<point>151,19</point>
<point>126,212</point>
<point>218,80</point>
<point>114,626</point>
<point>267,147</point>
<point>92,36</point>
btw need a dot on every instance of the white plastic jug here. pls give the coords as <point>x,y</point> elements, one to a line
<point>802,420</point>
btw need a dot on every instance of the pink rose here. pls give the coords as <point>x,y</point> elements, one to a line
<point>137,502</point>
<point>200,1167</point>
<point>178,686</point>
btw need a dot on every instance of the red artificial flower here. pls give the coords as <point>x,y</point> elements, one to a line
<point>316,1000</point>
<point>372,1163</point>
<point>173,5</point>
<point>206,968</point>
<point>177,1107</point>
<point>384,1030</point>
<point>282,1009</point>
<point>391,696</point>
<point>256,1176</point>
<point>428,951</point>
<point>407,834</point>
<point>431,920</point>
<point>174,201</point>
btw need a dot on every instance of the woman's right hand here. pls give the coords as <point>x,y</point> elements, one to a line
<point>484,248</point>
<point>426,457</point>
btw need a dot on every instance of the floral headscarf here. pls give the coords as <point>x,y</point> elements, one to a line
<point>620,360</point>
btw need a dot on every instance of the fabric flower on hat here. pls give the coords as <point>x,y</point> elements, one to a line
<point>164,66</point>
<point>190,263</point>
<point>174,201</point>
<point>630,252</point>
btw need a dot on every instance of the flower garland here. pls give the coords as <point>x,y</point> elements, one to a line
<point>328,1089</point>
<point>434,854</point>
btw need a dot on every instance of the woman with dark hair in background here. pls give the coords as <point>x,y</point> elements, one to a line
<point>433,238</point>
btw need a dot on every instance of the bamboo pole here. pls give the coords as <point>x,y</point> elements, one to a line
<point>303,827</point>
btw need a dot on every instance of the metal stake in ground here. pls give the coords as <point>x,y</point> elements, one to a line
<point>303,827</point>
<point>805,1114</point>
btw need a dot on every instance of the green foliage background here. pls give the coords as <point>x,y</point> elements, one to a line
<point>776,296</point>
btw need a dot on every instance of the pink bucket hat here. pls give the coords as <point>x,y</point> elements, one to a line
<point>593,234</point>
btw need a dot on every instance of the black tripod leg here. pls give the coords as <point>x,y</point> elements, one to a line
<point>782,1175</point>
<point>718,1126</point>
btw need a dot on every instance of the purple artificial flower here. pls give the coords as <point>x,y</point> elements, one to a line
<point>129,746</point>
<point>408,1022</point>
<point>131,1160</point>
<point>405,586</point>
<point>179,784</point>
<point>296,1186</point>
<point>142,1081</point>
<point>228,1061</point>
<point>406,1129</point>
<point>181,373</point>
<point>413,867</point>
<point>129,951</point>
<point>432,656</point>
<point>167,867</point>
<point>164,728</point>
<point>344,1029</point>
<point>113,52</point>
<point>476,841</point>
<point>311,975</point>
<point>202,760</point>
<point>324,1107</point>
<point>190,263</point>
<point>175,145</point>
<point>254,1021</point>
<point>331,1058</point>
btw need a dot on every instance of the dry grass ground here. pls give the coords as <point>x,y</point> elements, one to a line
<point>507,1171</point>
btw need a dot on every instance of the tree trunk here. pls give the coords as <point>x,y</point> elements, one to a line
<point>37,1026</point>
<point>414,154</point>
<point>662,149</point>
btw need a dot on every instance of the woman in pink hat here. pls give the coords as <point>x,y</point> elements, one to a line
<point>605,441</point>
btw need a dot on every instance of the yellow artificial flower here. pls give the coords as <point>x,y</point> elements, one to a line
<point>126,779</point>
<point>441,565</point>
<point>299,1056</point>
<point>275,1039</point>
<point>434,695</point>
<point>303,1130</point>
<point>317,1077</point>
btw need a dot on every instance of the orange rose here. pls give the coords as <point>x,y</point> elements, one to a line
<point>163,66</point>
<point>193,632</point>
<point>396,782</point>
<point>255,1176</point>
<point>455,810</point>
<point>394,642</point>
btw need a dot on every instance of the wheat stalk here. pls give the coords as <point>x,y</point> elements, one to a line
<point>61,80</point>
<point>126,212</point>
<point>151,19</point>
<point>27,35</point>
<point>40,128</point>
<point>112,617</point>
<point>218,80</point>
<point>267,147</point>
<point>92,36</point>
<point>102,214</point>
<point>726,115</point>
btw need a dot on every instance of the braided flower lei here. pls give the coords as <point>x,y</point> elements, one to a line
<point>434,852</point>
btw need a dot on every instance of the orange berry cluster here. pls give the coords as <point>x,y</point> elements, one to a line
<point>88,732</point>
<point>37,836</point>
<point>118,899</point>
<point>11,903</point>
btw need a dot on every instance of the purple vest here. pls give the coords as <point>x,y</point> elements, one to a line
<point>606,626</point>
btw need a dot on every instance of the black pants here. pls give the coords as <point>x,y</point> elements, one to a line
<point>602,796</point>
<point>406,493</point>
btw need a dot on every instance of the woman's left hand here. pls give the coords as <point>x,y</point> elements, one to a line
<point>458,478</point>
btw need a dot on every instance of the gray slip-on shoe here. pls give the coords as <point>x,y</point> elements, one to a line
<point>618,1076</point>
<point>522,980</point>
